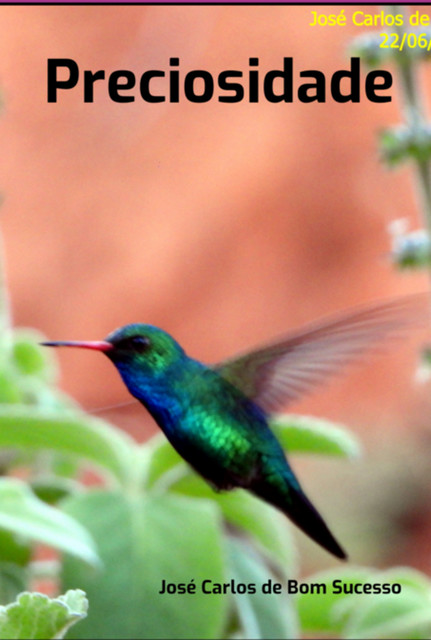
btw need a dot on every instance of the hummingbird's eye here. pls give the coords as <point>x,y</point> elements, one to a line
<point>139,343</point>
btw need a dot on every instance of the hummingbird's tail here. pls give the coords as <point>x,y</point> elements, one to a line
<point>293,502</point>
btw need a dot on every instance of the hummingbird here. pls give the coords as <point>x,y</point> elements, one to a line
<point>218,416</point>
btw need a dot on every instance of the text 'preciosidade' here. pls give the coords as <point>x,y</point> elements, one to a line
<point>230,86</point>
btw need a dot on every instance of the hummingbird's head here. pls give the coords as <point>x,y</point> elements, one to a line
<point>142,353</point>
<point>143,346</point>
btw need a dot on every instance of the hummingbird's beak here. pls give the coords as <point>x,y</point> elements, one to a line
<point>96,345</point>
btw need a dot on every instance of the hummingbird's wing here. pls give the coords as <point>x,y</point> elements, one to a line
<point>280,372</point>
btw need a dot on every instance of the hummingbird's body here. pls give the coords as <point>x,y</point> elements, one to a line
<point>216,417</point>
<point>211,424</point>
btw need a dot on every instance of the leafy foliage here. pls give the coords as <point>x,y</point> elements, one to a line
<point>34,615</point>
<point>142,549</point>
<point>305,434</point>
<point>261,616</point>
<point>369,615</point>
<point>155,520</point>
<point>23,514</point>
<point>69,433</point>
<point>152,520</point>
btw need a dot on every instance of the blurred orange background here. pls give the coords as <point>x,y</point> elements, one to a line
<point>224,224</point>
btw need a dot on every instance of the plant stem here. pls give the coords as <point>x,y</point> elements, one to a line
<point>414,109</point>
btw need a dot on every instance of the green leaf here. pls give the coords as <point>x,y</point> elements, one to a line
<point>408,577</point>
<point>269,528</point>
<point>143,541</point>
<point>262,615</point>
<point>162,457</point>
<point>317,611</point>
<point>34,615</point>
<point>13,580</point>
<point>23,514</point>
<point>10,391</point>
<point>52,489</point>
<point>70,433</point>
<point>30,358</point>
<point>15,556</point>
<point>394,615</point>
<point>405,615</point>
<point>14,549</point>
<point>306,434</point>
